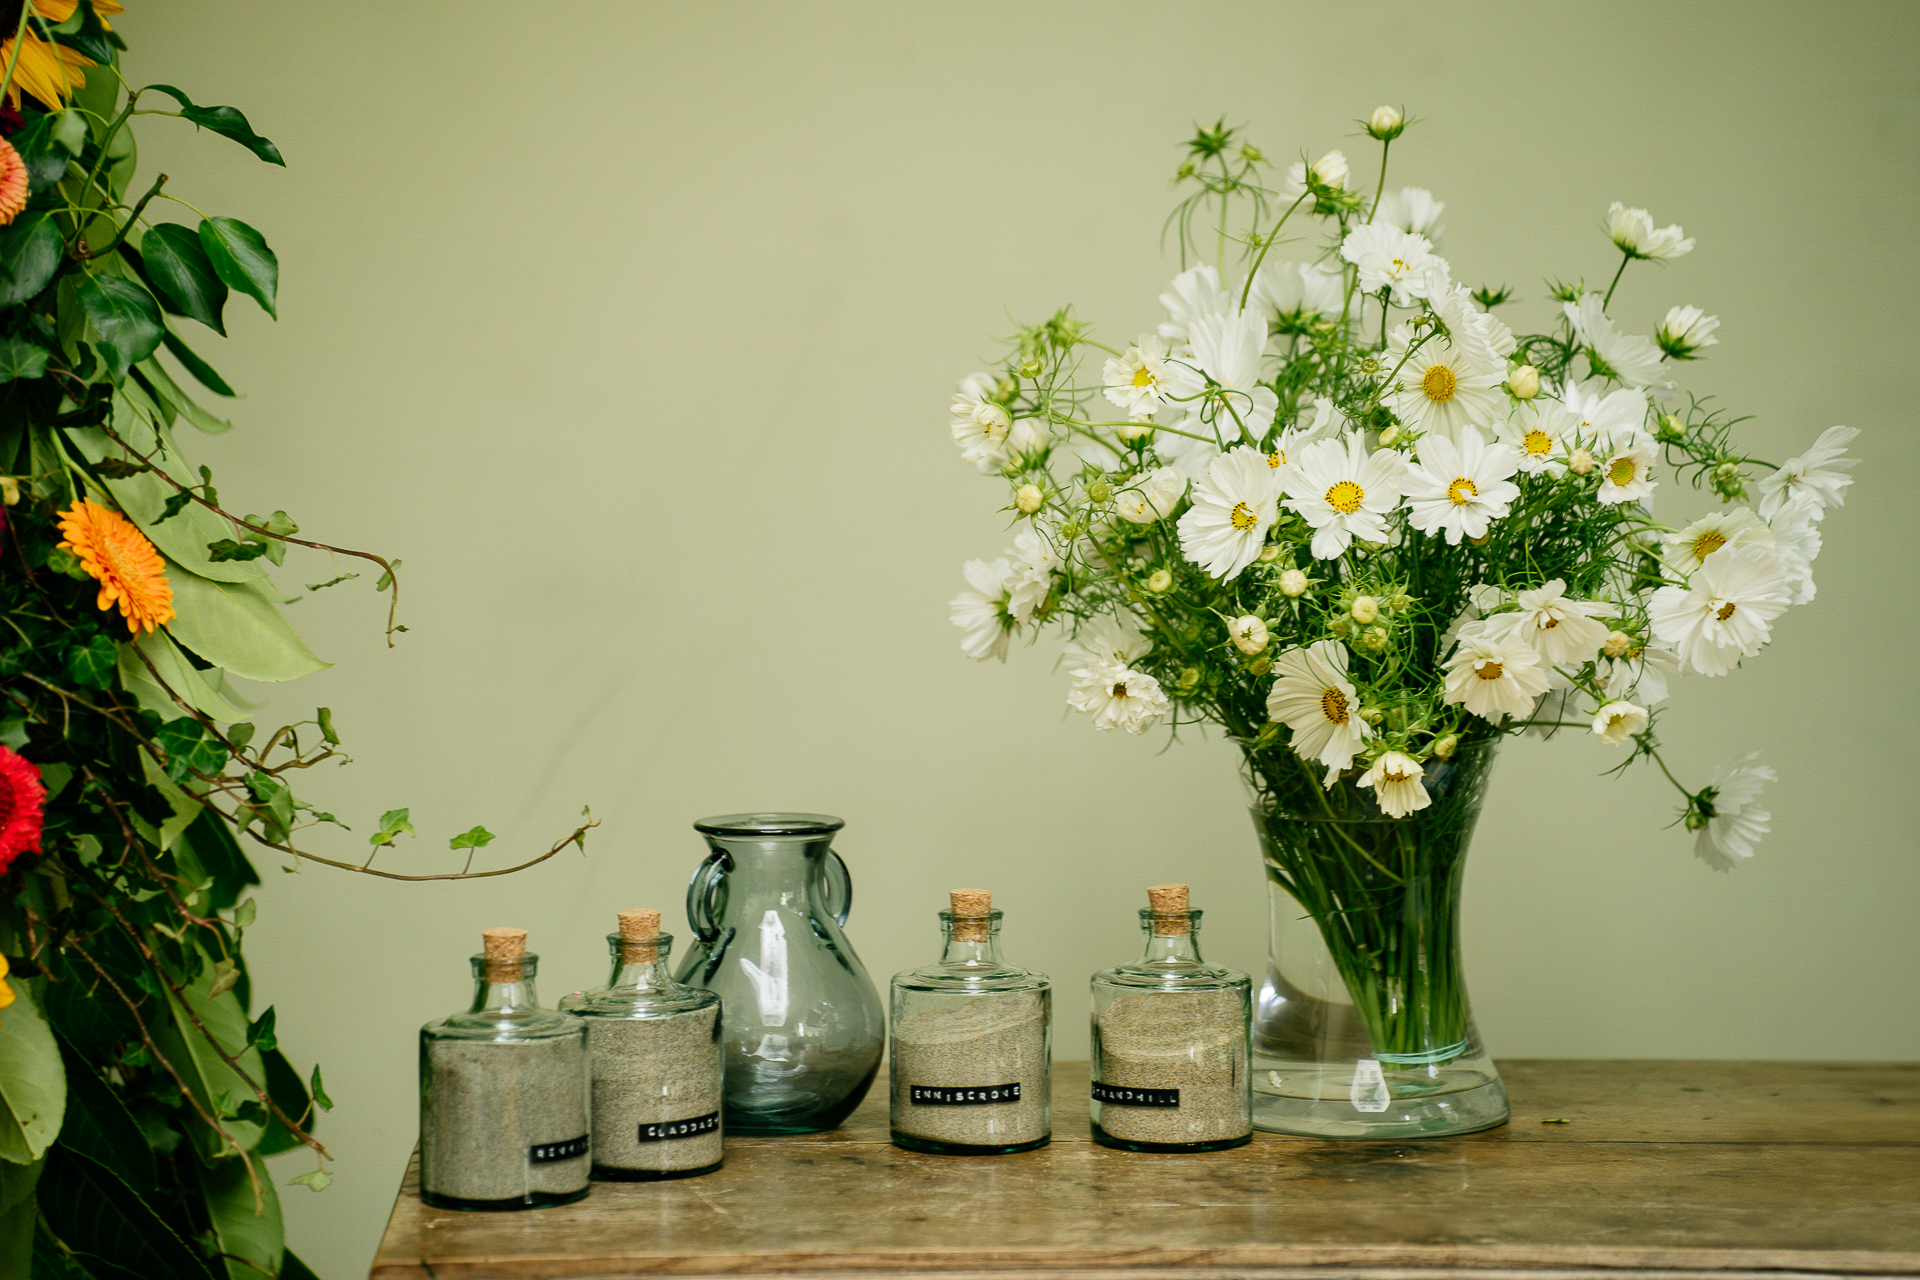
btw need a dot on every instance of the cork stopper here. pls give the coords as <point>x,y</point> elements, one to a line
<point>638,929</point>
<point>503,948</point>
<point>970,908</point>
<point>1169,905</point>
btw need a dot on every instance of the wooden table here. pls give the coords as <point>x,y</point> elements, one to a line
<point>1665,1169</point>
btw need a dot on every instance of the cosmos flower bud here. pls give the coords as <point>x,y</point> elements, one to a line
<point>1028,498</point>
<point>1445,747</point>
<point>1580,462</point>
<point>1099,491</point>
<point>1293,583</point>
<point>1249,634</point>
<point>1386,123</point>
<point>1365,609</point>
<point>1391,434</point>
<point>1373,716</point>
<point>1618,642</point>
<point>1268,554</point>
<point>1524,382</point>
<point>1331,169</point>
<point>1375,639</point>
<point>1159,581</point>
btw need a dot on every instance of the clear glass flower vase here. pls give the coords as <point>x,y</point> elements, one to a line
<point>1363,1028</point>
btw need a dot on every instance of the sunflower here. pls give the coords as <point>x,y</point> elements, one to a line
<point>119,555</point>
<point>48,72</point>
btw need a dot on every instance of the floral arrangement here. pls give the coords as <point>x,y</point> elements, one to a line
<point>1335,506</point>
<point>142,1087</point>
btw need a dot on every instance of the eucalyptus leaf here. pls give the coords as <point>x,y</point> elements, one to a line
<point>182,275</point>
<point>17,1181</point>
<point>125,320</point>
<point>182,403</point>
<point>183,539</point>
<point>21,359</point>
<point>92,1210</point>
<point>180,675</point>
<point>30,252</point>
<point>17,1224</point>
<point>202,372</point>
<point>238,627</point>
<point>100,1127</point>
<point>241,258</point>
<point>283,1085</point>
<point>207,1076</point>
<point>228,122</point>
<point>255,1241</point>
<point>33,1084</point>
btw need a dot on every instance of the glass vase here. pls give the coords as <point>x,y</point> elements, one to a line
<point>802,1026</point>
<point>1363,1028</point>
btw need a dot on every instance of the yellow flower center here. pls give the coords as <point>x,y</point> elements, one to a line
<point>1346,497</point>
<point>1620,471</point>
<point>1537,442</point>
<point>1242,517</point>
<point>1489,670</point>
<point>1277,459</point>
<point>1119,689</point>
<point>1462,491</point>
<point>1333,705</point>
<point>1394,776</point>
<point>1143,377</point>
<point>1439,382</point>
<point>1725,611</point>
<point>1708,543</point>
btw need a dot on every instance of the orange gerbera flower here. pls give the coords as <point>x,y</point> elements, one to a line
<point>129,569</point>
<point>50,72</point>
<point>13,183</point>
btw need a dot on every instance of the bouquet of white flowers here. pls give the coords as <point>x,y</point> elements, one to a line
<point>1338,508</point>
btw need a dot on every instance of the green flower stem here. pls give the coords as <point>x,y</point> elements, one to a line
<point>1246,290</point>
<point>1608,300</point>
<point>19,39</point>
<point>1380,187</point>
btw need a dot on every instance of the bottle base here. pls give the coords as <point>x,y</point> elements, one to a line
<point>534,1200</point>
<point>932,1148</point>
<point>608,1173</point>
<point>1331,1112</point>
<point>1106,1139</point>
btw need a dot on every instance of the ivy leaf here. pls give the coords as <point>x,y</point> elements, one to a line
<point>386,579</point>
<point>314,1087</point>
<point>279,525</point>
<point>125,319</point>
<point>284,1087</point>
<point>182,275</point>
<point>228,549</point>
<point>324,716</point>
<point>46,158</point>
<point>120,468</point>
<point>174,506</point>
<point>272,807</point>
<point>393,823</point>
<point>21,359</point>
<point>241,258</point>
<point>260,1032</point>
<point>86,35</point>
<point>318,1180</point>
<point>92,664</point>
<point>190,747</point>
<point>225,121</point>
<point>478,838</point>
<point>30,252</point>
<point>226,975</point>
<point>331,582</point>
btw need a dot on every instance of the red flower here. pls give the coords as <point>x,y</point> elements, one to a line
<point>23,801</point>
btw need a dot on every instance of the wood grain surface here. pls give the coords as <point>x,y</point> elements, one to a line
<point>1663,1169</point>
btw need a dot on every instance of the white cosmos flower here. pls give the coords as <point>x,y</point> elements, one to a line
<point>1398,784</point>
<point>1632,230</point>
<point>1607,419</point>
<point>1195,292</point>
<point>1483,340</point>
<point>1494,674</point>
<point>1627,358</point>
<point>1626,475</point>
<point>1439,390</point>
<point>1616,722</point>
<point>1818,476</point>
<point>1391,258</point>
<point>1344,492</point>
<point>981,614</point>
<point>1138,379</point>
<point>1726,611</point>
<point>1457,489</point>
<point>1293,294</point>
<point>1031,566</point>
<point>1150,496</point>
<point>1796,540</point>
<point>1117,697</point>
<point>1114,641</point>
<point>1737,822</point>
<point>1642,672</point>
<point>1685,331</point>
<point>1226,348</point>
<point>1540,432</point>
<point>1248,633</point>
<point>980,426</point>
<point>1689,548</point>
<point>1312,696</point>
<point>1562,631</point>
<point>1411,209</point>
<point>1331,169</point>
<point>1234,505</point>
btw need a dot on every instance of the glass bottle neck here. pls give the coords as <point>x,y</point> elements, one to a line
<point>972,952</point>
<point>504,997</point>
<point>641,969</point>
<point>1173,949</point>
<point>783,871</point>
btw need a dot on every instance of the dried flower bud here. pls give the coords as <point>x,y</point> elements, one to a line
<point>1159,581</point>
<point>1580,462</point>
<point>1386,123</point>
<point>1618,642</point>
<point>1293,583</point>
<point>1524,382</point>
<point>1028,498</point>
<point>1365,609</point>
<point>1445,747</point>
<point>1249,633</point>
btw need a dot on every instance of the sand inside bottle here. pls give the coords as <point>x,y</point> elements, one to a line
<point>1193,1041</point>
<point>489,1104</point>
<point>650,1077</point>
<point>985,1041</point>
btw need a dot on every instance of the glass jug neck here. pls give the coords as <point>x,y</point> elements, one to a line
<point>504,986</point>
<point>1173,939</point>
<point>641,967</point>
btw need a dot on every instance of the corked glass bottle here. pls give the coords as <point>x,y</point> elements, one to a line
<point>657,1062</point>
<point>1170,1064</point>
<point>503,1092</point>
<point>971,1044</point>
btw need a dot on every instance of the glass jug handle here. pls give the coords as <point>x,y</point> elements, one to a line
<point>838,886</point>
<point>706,896</point>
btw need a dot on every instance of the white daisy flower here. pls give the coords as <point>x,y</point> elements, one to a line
<point>1735,823</point>
<point>1494,674</point>
<point>1626,475</point>
<point>1112,641</point>
<point>1150,496</point>
<point>1818,476</point>
<point>980,426</point>
<point>986,626</point>
<point>1031,566</point>
<point>1195,292</point>
<point>1137,380</point>
<point>1117,697</point>
<point>1391,258</point>
<point>1685,331</point>
<point>1457,489</point>
<point>1234,505</point>
<point>1411,209</point>
<point>1627,358</point>
<point>1633,232</point>
<point>1294,294</point>
<point>1439,390</point>
<point>1485,341</point>
<point>1606,418</point>
<point>1688,549</point>
<point>1344,492</point>
<point>1312,696</point>
<point>1562,631</point>
<point>1642,672</point>
<point>1615,723</point>
<point>1540,432</point>
<point>1398,784</point>
<point>1726,611</point>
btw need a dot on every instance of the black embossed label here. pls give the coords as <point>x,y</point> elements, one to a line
<point>669,1129</point>
<point>1119,1096</point>
<point>554,1152</point>
<point>984,1095</point>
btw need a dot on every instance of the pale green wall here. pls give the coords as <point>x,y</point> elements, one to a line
<point>631,328</point>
